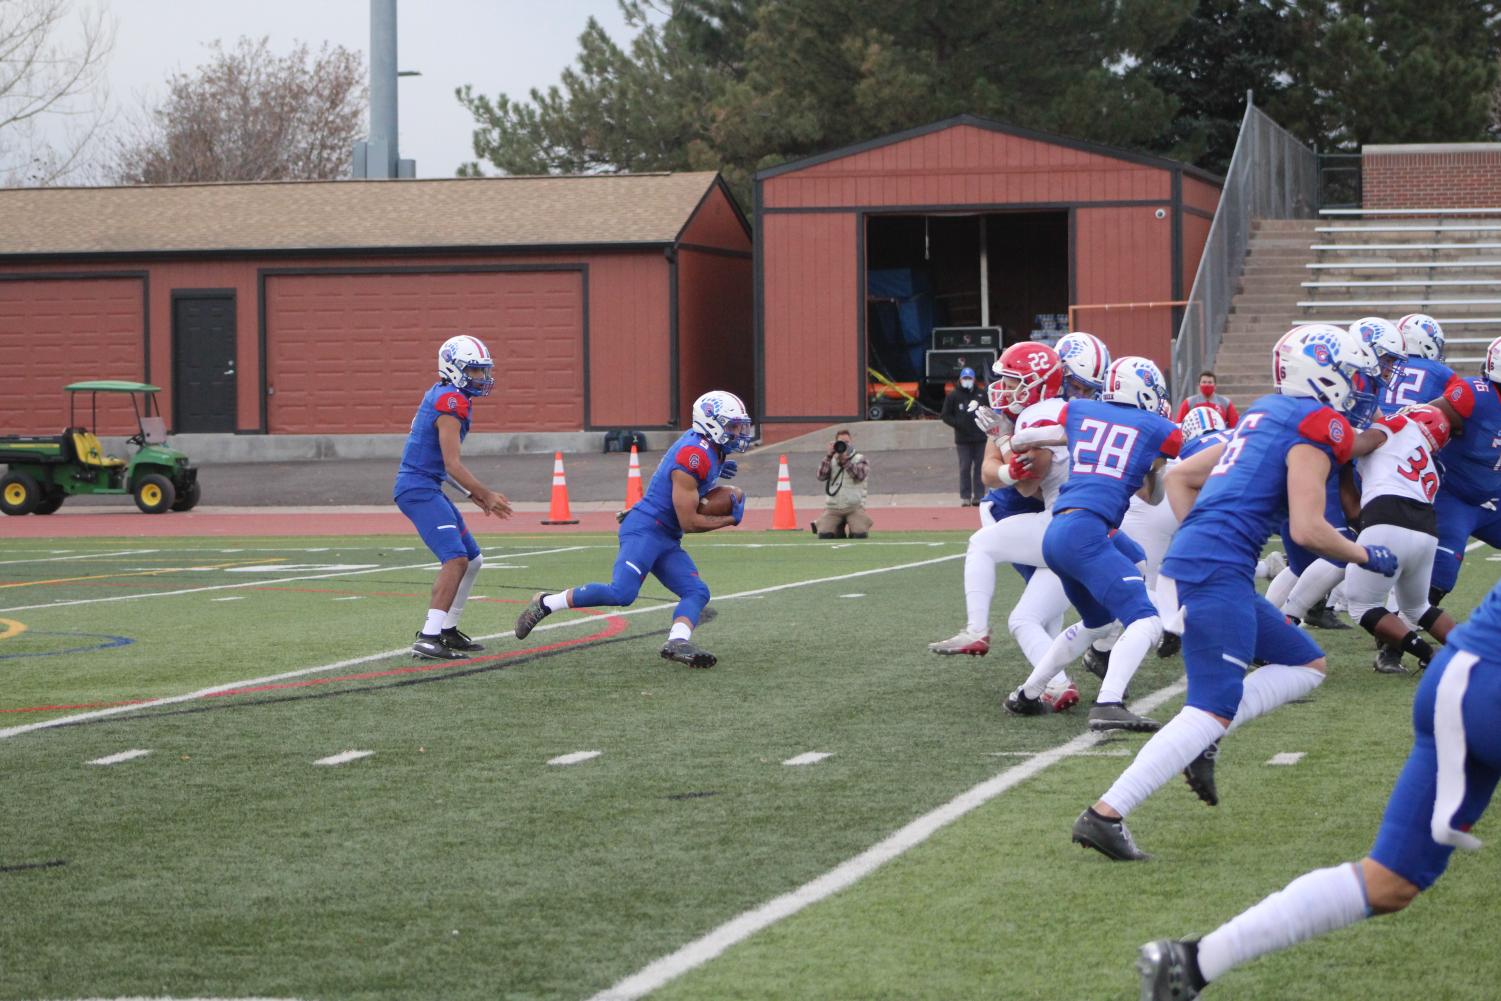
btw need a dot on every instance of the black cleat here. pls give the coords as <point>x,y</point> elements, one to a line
<point>1105,716</point>
<point>1388,660</point>
<point>1108,837</point>
<point>1171,643</point>
<point>1017,704</point>
<point>1321,616</point>
<point>456,640</point>
<point>432,648</point>
<point>1169,970</point>
<point>1200,775</point>
<point>1096,662</point>
<point>684,652</point>
<point>533,613</point>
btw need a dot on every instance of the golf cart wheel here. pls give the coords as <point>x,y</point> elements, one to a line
<point>155,493</point>
<point>19,494</point>
<point>50,503</point>
<point>188,499</point>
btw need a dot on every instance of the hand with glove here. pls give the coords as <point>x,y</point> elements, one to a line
<point>737,509</point>
<point>729,469</point>
<point>987,420</point>
<point>1379,559</point>
<point>1020,467</point>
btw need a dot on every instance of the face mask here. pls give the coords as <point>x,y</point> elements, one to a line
<point>967,383</point>
<point>1206,388</point>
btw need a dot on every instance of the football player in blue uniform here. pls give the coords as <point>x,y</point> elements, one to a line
<point>1443,789</point>
<point>465,373</point>
<point>1115,444</point>
<point>651,535</point>
<point>1469,499</point>
<point>1230,499</point>
<point>1424,376</point>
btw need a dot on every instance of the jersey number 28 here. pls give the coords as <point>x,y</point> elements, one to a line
<point>1103,448</point>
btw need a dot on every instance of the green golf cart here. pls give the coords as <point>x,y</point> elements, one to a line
<point>44,470</point>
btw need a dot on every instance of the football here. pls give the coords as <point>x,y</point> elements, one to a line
<point>719,500</point>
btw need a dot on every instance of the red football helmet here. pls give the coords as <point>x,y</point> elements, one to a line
<point>1028,373</point>
<point>1433,422</point>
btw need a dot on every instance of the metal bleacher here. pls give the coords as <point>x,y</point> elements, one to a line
<point>1388,262</point>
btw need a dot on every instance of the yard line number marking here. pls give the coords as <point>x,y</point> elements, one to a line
<point>808,758</point>
<point>574,757</point>
<point>115,759</point>
<point>1286,758</point>
<point>743,926</point>
<point>343,757</point>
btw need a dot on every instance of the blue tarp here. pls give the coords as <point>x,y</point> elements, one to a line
<point>900,333</point>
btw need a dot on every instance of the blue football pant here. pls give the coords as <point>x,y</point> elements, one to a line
<point>439,524</point>
<point>1100,580</point>
<point>1457,523</point>
<point>650,550</point>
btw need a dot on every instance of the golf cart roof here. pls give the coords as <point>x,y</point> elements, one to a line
<point>111,386</point>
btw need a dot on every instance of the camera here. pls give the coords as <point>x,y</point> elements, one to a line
<point>841,446</point>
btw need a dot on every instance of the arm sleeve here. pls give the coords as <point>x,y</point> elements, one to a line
<point>1182,410</point>
<point>950,410</point>
<point>1460,396</point>
<point>1172,444</point>
<point>859,469</point>
<point>695,462</point>
<point>824,468</point>
<point>453,403</point>
<point>1331,430</point>
<point>1231,417</point>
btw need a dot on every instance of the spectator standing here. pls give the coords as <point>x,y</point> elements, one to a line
<point>842,473</point>
<point>969,440</point>
<point>1207,397</point>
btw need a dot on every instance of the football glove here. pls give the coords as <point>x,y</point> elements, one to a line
<point>1020,467</point>
<point>1379,559</point>
<point>986,420</point>
<point>737,509</point>
<point>729,469</point>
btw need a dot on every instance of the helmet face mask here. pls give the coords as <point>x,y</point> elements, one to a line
<point>458,360</point>
<point>723,419</point>
<point>1029,373</point>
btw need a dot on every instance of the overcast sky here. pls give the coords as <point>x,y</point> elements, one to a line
<point>499,46</point>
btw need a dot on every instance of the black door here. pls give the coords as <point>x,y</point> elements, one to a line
<point>203,362</point>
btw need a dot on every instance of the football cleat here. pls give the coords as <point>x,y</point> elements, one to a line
<point>1105,716</point>
<point>974,644</point>
<point>1168,971</point>
<point>684,652</point>
<point>1097,662</point>
<point>1060,698</point>
<point>1169,645</point>
<point>432,648</point>
<point>1321,616</point>
<point>1110,838</point>
<point>1276,562</point>
<point>456,640</point>
<point>1018,704</point>
<point>1200,775</point>
<point>533,613</point>
<point>1388,660</point>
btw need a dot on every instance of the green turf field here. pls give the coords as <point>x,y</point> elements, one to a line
<point>455,862</point>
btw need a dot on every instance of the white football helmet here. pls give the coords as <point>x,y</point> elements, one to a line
<point>1425,338</point>
<point>1085,359</point>
<point>1200,421</point>
<point>1331,365</point>
<point>1135,381</point>
<point>457,356</point>
<point>1493,361</point>
<point>1388,343</point>
<point>722,418</point>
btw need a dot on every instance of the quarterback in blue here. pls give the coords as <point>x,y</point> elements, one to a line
<point>1230,499</point>
<point>651,536</point>
<point>1443,789</point>
<point>1116,444</point>
<point>465,372</point>
<point>1469,500</point>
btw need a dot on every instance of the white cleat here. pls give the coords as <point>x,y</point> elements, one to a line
<point>966,642</point>
<point>1274,563</point>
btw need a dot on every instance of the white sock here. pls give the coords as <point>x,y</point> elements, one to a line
<point>556,602</point>
<point>1315,903</point>
<point>979,590</point>
<point>1271,686</point>
<point>1313,587</point>
<point>679,631</point>
<point>1168,752</point>
<point>434,624</point>
<point>1068,647</point>
<point>1126,656</point>
<point>1281,586</point>
<point>461,596</point>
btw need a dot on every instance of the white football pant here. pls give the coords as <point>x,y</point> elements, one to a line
<point>1365,589</point>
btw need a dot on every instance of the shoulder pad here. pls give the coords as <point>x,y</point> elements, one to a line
<point>1325,427</point>
<point>695,461</point>
<point>453,403</point>
<point>1173,444</point>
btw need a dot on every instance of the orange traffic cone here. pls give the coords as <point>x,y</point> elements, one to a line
<point>784,518</point>
<point>558,513</point>
<point>633,481</point>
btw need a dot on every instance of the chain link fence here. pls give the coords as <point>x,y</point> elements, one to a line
<point>1271,176</point>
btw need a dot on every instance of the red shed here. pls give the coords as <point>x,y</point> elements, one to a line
<point>965,223</point>
<point>317,307</point>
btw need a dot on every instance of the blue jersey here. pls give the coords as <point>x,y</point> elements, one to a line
<point>1472,459</point>
<point>1422,379</point>
<point>1207,440</point>
<point>693,454</point>
<point>1006,501</point>
<point>422,459</point>
<point>1481,632</point>
<point>1111,447</point>
<point>1245,497</point>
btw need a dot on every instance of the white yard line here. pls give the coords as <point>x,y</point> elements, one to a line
<point>343,757</point>
<point>743,926</point>
<point>16,731</point>
<point>115,759</point>
<point>250,583</point>
<point>809,758</point>
<point>1286,758</point>
<point>573,758</point>
<point>1474,545</point>
<point>80,556</point>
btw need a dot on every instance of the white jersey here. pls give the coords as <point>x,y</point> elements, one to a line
<point>1047,414</point>
<point>1402,467</point>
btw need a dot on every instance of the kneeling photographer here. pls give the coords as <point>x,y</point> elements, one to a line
<point>842,474</point>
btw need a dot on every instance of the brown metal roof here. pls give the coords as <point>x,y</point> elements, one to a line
<point>313,215</point>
